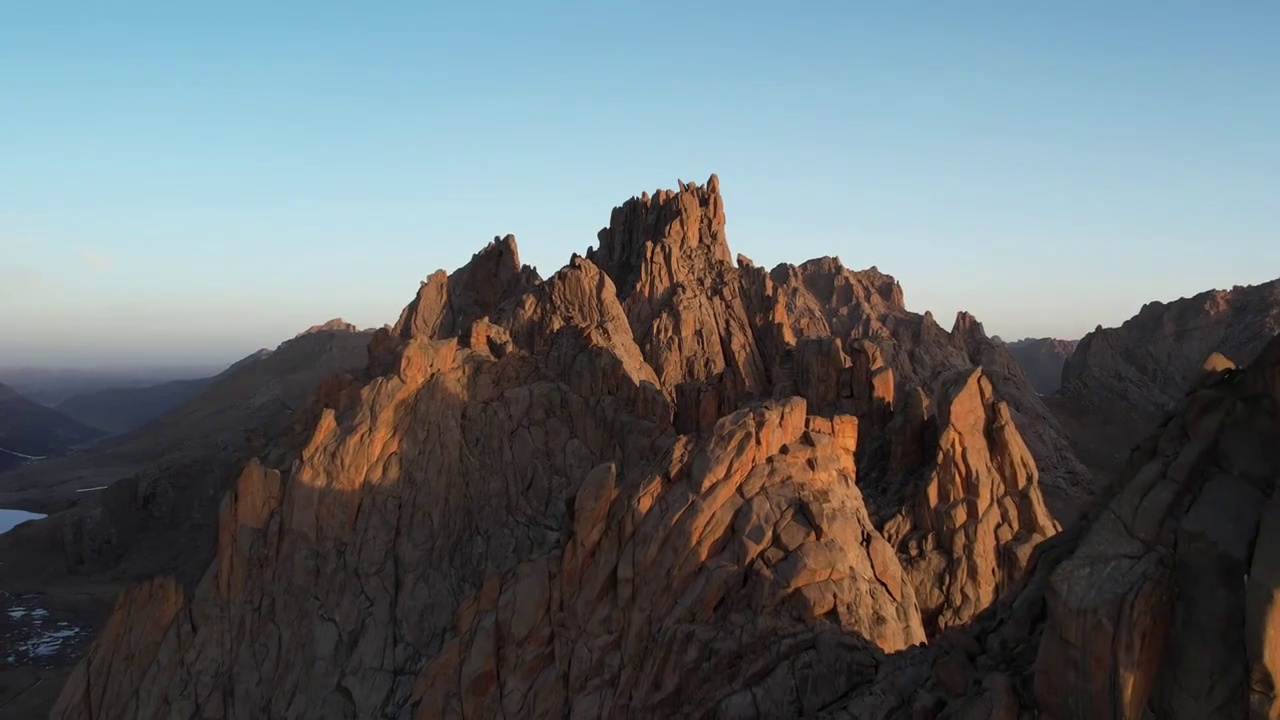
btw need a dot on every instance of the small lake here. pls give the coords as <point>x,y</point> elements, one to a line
<point>11,518</point>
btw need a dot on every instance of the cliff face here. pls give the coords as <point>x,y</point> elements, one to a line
<point>1122,381</point>
<point>1043,359</point>
<point>1161,603</point>
<point>654,484</point>
<point>822,298</point>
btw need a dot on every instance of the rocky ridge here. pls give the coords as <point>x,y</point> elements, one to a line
<point>1160,604</point>
<point>655,483</point>
<point>1122,381</point>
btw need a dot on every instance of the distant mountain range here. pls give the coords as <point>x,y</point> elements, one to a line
<point>1042,360</point>
<point>118,410</point>
<point>29,430</point>
<point>53,385</point>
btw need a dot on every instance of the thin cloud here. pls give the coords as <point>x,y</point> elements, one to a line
<point>94,260</point>
<point>15,280</point>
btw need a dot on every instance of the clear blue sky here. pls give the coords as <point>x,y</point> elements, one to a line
<point>191,181</point>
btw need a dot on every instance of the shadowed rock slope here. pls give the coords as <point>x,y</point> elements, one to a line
<point>1121,381</point>
<point>158,509</point>
<point>1042,359</point>
<point>1160,604</point>
<point>654,484</point>
<point>29,430</point>
<point>119,410</point>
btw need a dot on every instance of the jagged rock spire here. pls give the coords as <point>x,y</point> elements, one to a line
<point>446,305</point>
<point>653,242</point>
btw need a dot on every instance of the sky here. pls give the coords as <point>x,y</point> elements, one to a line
<point>188,182</point>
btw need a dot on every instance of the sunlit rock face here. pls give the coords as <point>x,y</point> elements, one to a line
<point>661,483</point>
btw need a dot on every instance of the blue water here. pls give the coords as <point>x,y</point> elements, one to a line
<point>10,518</point>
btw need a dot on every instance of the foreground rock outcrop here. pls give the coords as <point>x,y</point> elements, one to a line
<point>632,488</point>
<point>970,522</point>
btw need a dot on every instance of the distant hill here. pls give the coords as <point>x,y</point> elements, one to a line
<point>1122,381</point>
<point>29,430</point>
<point>120,410</point>
<point>1042,359</point>
<point>53,385</point>
<point>167,477</point>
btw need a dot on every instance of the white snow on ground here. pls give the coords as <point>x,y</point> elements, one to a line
<point>45,644</point>
<point>18,612</point>
<point>29,638</point>
<point>22,455</point>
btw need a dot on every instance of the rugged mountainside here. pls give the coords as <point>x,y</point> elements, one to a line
<point>1042,359</point>
<point>654,484</point>
<point>1121,381</point>
<point>164,482</point>
<point>59,576</point>
<point>31,430</point>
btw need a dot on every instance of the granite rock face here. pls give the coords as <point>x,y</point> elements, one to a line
<point>1166,601</point>
<point>1160,603</point>
<point>970,523</point>
<point>655,484</point>
<point>821,298</point>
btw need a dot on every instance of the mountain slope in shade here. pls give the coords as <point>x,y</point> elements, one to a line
<point>119,410</point>
<point>1042,359</point>
<point>1121,381</point>
<point>52,385</point>
<point>634,488</point>
<point>29,430</point>
<point>123,409</point>
<point>165,479</point>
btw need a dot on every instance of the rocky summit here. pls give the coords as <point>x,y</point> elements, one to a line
<point>665,483</point>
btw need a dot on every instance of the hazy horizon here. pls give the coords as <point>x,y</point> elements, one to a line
<point>188,185</point>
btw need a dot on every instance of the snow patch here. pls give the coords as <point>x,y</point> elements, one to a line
<point>24,456</point>
<point>18,612</point>
<point>31,638</point>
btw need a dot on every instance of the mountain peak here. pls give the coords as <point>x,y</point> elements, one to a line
<point>671,234</point>
<point>334,325</point>
<point>447,305</point>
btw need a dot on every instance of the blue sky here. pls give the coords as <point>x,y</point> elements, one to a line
<point>188,182</point>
